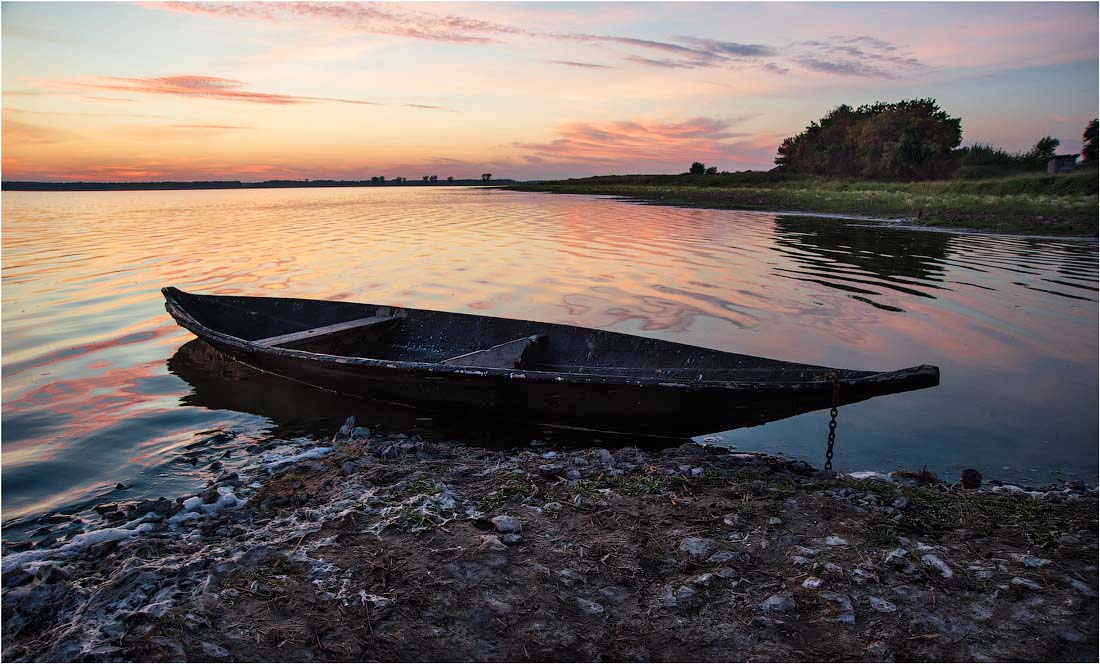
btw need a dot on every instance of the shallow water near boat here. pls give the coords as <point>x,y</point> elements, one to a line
<point>101,387</point>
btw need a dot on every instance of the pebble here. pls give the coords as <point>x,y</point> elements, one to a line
<point>551,469</point>
<point>812,583</point>
<point>1032,561</point>
<point>882,606</point>
<point>937,562</point>
<point>507,524</point>
<point>782,603</point>
<point>702,580</point>
<point>1082,588</point>
<point>214,651</point>
<point>800,560</point>
<point>550,455</point>
<point>775,521</point>
<point>697,547</point>
<point>590,607</point>
<point>604,457</point>
<point>804,551</point>
<point>552,507</point>
<point>1025,583</point>
<point>1071,636</point>
<point>847,615</point>
<point>572,474</point>
<point>491,542</point>
<point>724,557</point>
<point>614,594</point>
<point>511,538</point>
<point>896,557</point>
<point>570,577</point>
<point>678,596</point>
<point>833,540</point>
<point>727,573</point>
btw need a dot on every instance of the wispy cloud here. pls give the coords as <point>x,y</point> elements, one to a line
<point>582,65</point>
<point>637,142</point>
<point>18,133</point>
<point>860,56</point>
<point>211,126</point>
<point>210,87</point>
<point>851,55</point>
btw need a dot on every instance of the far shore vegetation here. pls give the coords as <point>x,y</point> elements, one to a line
<point>898,160</point>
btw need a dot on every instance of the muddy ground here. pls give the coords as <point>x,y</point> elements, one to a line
<point>385,547</point>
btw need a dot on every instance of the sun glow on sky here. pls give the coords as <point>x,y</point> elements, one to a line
<point>253,91</point>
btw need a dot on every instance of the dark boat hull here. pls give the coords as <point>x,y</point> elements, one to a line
<point>649,405</point>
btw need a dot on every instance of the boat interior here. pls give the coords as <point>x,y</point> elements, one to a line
<point>414,335</point>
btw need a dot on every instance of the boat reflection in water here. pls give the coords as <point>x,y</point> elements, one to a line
<point>218,382</point>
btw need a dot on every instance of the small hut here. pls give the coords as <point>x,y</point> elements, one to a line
<point>1062,163</point>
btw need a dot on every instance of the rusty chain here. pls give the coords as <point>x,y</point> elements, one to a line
<point>832,421</point>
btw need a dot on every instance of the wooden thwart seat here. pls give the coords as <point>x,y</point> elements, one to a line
<point>508,355</point>
<point>322,332</point>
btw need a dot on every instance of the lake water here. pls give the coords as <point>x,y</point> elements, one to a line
<point>101,387</point>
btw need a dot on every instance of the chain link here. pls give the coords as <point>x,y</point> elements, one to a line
<point>833,412</point>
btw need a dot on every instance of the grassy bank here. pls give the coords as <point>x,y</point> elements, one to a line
<point>1039,204</point>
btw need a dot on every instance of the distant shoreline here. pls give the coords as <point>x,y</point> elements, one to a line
<point>1030,204</point>
<point>236,184</point>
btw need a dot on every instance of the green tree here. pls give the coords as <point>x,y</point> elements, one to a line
<point>1088,150</point>
<point>907,139</point>
<point>697,168</point>
<point>1042,152</point>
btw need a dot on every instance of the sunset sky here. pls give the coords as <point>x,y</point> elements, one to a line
<point>253,91</point>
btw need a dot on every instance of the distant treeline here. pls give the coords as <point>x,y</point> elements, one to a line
<point>236,184</point>
<point>907,140</point>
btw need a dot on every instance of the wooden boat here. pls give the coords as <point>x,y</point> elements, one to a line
<point>553,374</point>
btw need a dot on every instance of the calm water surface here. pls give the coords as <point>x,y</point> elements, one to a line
<point>101,387</point>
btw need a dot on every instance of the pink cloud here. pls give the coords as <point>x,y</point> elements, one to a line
<point>211,87</point>
<point>634,144</point>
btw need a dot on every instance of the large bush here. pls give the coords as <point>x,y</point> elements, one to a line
<point>903,140</point>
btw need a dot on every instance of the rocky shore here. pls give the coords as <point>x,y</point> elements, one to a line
<point>376,546</point>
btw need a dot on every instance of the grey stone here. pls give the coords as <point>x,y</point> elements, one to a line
<point>727,573</point>
<point>551,469</point>
<point>552,507</point>
<point>1021,582</point>
<point>678,596</point>
<point>833,540</point>
<point>775,521</point>
<point>613,594</point>
<point>801,560</point>
<point>589,607</point>
<point>214,651</point>
<point>882,606</point>
<point>812,583</point>
<point>896,558</point>
<point>507,524</point>
<point>781,603</point>
<point>702,580</point>
<point>604,457</point>
<point>511,538</point>
<point>1082,588</point>
<point>937,563</point>
<point>1071,635</point>
<point>1033,561</point>
<point>697,547</point>
<point>570,577</point>
<point>724,557</point>
<point>572,474</point>
<point>498,607</point>
<point>491,542</point>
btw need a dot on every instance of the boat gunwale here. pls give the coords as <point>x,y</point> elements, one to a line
<point>185,319</point>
